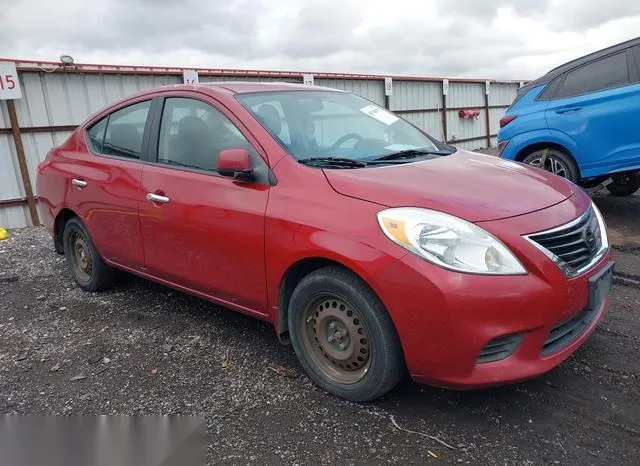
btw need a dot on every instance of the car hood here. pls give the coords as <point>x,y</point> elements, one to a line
<point>472,186</point>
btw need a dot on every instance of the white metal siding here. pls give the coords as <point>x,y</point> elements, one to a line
<point>252,79</point>
<point>466,95</point>
<point>460,128</point>
<point>471,145</point>
<point>68,99</point>
<point>15,216</point>
<point>10,181</point>
<point>367,88</point>
<point>502,93</point>
<point>415,95</point>
<point>431,122</point>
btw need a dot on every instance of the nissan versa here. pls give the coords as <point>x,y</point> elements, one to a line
<point>372,248</point>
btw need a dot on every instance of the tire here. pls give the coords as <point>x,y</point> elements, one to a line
<point>361,365</point>
<point>555,161</point>
<point>624,184</point>
<point>84,262</point>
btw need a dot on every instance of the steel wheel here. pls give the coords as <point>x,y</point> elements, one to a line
<point>81,257</point>
<point>88,269</point>
<point>337,337</point>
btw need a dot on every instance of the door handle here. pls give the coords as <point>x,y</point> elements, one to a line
<point>78,183</point>
<point>157,198</point>
<point>568,110</point>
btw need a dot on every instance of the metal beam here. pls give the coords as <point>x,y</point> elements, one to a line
<point>476,138</point>
<point>40,129</point>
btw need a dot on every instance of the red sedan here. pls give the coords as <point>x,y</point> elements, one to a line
<point>374,249</point>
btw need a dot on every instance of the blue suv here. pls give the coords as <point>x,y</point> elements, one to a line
<point>581,120</point>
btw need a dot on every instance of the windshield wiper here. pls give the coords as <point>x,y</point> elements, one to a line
<point>410,154</point>
<point>342,162</point>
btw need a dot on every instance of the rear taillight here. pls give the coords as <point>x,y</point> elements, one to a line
<point>505,120</point>
<point>501,147</point>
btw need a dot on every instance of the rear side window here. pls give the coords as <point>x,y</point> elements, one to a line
<point>550,90</point>
<point>607,73</point>
<point>96,135</point>
<point>120,133</point>
<point>636,59</point>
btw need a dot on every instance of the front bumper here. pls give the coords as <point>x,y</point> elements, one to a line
<point>445,319</point>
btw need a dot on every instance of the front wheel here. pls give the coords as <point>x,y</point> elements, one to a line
<point>624,184</point>
<point>343,336</point>
<point>554,161</point>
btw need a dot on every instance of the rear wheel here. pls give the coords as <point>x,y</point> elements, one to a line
<point>343,336</point>
<point>85,264</point>
<point>554,161</point>
<point>624,184</point>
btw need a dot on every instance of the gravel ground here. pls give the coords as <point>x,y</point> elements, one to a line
<point>144,349</point>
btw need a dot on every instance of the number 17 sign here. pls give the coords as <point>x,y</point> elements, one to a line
<point>9,84</point>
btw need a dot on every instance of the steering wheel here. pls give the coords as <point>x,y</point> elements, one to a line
<point>345,138</point>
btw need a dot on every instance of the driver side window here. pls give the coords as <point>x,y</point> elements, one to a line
<point>192,134</point>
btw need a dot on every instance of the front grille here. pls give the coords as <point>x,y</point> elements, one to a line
<point>499,348</point>
<point>574,245</point>
<point>565,332</point>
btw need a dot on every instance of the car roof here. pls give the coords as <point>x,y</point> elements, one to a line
<point>557,71</point>
<point>245,86</point>
<point>241,87</point>
<point>224,87</point>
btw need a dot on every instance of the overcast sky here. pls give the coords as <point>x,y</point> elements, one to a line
<point>517,39</point>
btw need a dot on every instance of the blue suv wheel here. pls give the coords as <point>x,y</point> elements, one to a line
<point>554,161</point>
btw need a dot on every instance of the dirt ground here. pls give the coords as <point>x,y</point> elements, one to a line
<point>144,349</point>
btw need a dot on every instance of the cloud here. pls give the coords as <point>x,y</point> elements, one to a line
<point>575,16</point>
<point>516,39</point>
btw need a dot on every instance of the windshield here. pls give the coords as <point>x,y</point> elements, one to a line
<point>335,124</point>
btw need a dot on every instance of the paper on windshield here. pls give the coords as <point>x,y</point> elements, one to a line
<point>379,114</point>
<point>396,147</point>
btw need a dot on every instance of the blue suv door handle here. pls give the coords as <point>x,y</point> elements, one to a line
<point>568,109</point>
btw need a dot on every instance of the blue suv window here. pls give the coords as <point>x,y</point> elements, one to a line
<point>636,59</point>
<point>606,73</point>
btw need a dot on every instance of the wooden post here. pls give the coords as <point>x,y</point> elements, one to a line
<point>445,131</point>
<point>22,162</point>
<point>486,114</point>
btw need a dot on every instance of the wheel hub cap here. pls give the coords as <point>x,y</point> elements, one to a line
<point>338,338</point>
<point>550,164</point>
<point>81,257</point>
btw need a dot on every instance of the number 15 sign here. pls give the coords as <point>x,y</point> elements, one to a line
<point>9,84</point>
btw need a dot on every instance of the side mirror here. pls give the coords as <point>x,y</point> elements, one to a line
<point>234,162</point>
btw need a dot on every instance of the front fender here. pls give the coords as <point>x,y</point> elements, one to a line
<point>362,259</point>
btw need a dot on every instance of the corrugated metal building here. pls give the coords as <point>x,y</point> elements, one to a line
<point>56,99</point>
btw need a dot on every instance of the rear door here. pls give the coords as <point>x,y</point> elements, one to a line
<point>207,232</point>
<point>104,180</point>
<point>597,106</point>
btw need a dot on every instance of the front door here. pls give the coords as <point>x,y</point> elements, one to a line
<point>201,230</point>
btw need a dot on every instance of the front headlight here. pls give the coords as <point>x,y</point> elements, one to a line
<point>448,241</point>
